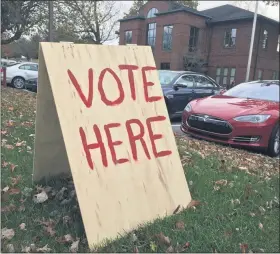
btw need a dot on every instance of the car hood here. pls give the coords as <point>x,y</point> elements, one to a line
<point>226,107</point>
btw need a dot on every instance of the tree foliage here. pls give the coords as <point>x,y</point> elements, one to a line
<point>18,18</point>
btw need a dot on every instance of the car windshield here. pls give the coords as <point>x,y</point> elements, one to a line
<point>268,91</point>
<point>166,77</point>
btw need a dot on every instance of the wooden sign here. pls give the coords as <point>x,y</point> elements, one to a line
<point>101,115</point>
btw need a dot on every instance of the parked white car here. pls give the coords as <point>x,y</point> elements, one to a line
<point>17,74</point>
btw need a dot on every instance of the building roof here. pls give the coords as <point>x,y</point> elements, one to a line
<point>214,15</point>
<point>229,12</point>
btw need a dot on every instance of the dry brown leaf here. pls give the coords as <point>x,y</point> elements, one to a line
<point>170,249</point>
<point>44,249</point>
<point>163,239</point>
<point>243,247</point>
<point>68,238</point>
<point>8,208</point>
<point>6,189</point>
<point>40,198</point>
<point>5,164</point>
<point>186,245</point>
<point>10,147</point>
<point>3,132</point>
<point>261,226</point>
<point>10,248</point>
<point>22,226</point>
<point>194,203</point>
<point>20,143</point>
<point>7,233</point>
<point>74,246</point>
<point>50,230</point>
<point>15,180</point>
<point>14,191</point>
<point>222,182</point>
<point>180,225</point>
<point>13,166</point>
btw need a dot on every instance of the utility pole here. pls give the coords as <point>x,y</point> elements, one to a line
<point>50,21</point>
<point>252,42</point>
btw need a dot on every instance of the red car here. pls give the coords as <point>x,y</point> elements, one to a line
<point>245,115</point>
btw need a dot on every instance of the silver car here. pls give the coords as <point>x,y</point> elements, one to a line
<point>17,74</point>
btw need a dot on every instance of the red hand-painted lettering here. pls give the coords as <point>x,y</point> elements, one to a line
<point>154,137</point>
<point>87,101</point>
<point>103,96</point>
<point>133,138</point>
<point>147,83</point>
<point>112,143</point>
<point>88,147</point>
<point>130,69</point>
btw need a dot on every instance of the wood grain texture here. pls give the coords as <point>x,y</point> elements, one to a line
<point>116,198</point>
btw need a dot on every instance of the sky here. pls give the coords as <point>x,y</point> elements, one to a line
<point>268,11</point>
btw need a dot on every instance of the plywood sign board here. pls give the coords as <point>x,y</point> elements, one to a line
<point>101,115</point>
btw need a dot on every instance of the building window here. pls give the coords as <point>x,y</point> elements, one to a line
<point>193,39</point>
<point>167,37</point>
<point>278,45</point>
<point>232,75</point>
<point>260,75</point>
<point>165,66</point>
<point>218,75</point>
<point>151,38</point>
<point>265,39</point>
<point>152,12</point>
<point>225,76</point>
<point>128,37</point>
<point>230,38</point>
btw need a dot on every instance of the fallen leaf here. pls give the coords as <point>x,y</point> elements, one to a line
<point>14,191</point>
<point>40,198</point>
<point>25,249</point>
<point>186,245</point>
<point>66,220</point>
<point>22,226</point>
<point>6,189</point>
<point>194,203</point>
<point>20,143</point>
<point>7,233</point>
<point>163,239</point>
<point>3,132</point>
<point>11,108</point>
<point>261,226</point>
<point>216,188</point>
<point>170,249</point>
<point>10,147</point>
<point>153,246</point>
<point>50,230</point>
<point>15,180</point>
<point>5,164</point>
<point>74,246</point>
<point>180,225</point>
<point>10,248</point>
<point>8,208</point>
<point>252,214</point>
<point>222,182</point>
<point>243,168</point>
<point>243,247</point>
<point>262,210</point>
<point>44,249</point>
<point>68,238</point>
<point>13,166</point>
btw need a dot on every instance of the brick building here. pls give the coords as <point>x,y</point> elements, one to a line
<point>217,40</point>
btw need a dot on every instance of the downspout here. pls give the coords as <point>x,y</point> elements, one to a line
<point>209,42</point>
<point>257,53</point>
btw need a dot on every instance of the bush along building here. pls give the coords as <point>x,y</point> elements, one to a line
<point>214,41</point>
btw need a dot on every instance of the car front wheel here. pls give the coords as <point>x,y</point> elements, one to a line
<point>274,142</point>
<point>18,82</point>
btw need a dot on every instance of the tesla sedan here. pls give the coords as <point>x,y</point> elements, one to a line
<point>245,115</point>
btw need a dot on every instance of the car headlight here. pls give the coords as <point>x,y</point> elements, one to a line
<point>252,118</point>
<point>188,108</point>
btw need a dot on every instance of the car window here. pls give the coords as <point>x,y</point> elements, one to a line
<point>29,67</point>
<point>166,77</point>
<point>186,80</point>
<point>203,82</point>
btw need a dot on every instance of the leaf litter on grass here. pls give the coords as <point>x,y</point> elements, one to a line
<point>229,159</point>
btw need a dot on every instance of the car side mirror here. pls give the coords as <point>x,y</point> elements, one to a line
<point>177,86</point>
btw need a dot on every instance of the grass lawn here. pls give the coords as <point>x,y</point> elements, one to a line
<point>235,193</point>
